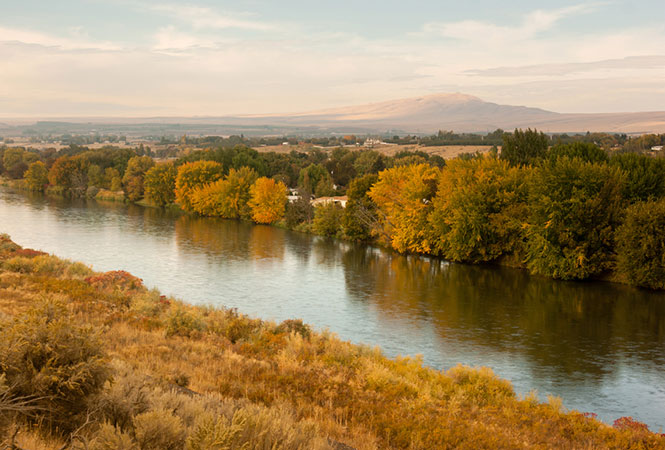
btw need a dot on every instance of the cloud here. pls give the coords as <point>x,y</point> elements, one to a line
<point>13,35</point>
<point>627,63</point>
<point>532,23</point>
<point>201,17</point>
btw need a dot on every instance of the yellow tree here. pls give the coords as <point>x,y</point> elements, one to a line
<point>268,200</point>
<point>36,176</point>
<point>192,176</point>
<point>227,198</point>
<point>403,196</point>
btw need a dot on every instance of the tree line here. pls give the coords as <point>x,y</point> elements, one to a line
<point>567,211</point>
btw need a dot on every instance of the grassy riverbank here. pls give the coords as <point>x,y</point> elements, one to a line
<point>100,358</point>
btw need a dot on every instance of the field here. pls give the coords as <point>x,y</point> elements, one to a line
<point>446,151</point>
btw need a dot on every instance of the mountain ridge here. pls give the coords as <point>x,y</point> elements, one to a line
<point>423,114</point>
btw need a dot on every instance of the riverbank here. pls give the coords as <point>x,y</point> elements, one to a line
<point>103,195</point>
<point>200,370</point>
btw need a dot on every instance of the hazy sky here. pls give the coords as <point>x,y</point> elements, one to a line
<point>139,58</point>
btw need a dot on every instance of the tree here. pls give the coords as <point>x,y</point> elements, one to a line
<point>524,147</point>
<point>403,196</point>
<point>192,176</point>
<point>14,163</point>
<point>575,208</point>
<point>69,174</point>
<point>479,209</point>
<point>95,176</point>
<point>110,174</point>
<point>133,179</point>
<point>228,197</point>
<point>159,184</point>
<point>368,161</point>
<point>586,151</point>
<point>36,176</point>
<point>645,176</point>
<point>268,200</point>
<point>299,211</point>
<point>315,178</point>
<point>360,218</point>
<point>641,245</point>
<point>328,219</point>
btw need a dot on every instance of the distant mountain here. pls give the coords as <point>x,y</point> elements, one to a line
<point>425,114</point>
<point>465,113</point>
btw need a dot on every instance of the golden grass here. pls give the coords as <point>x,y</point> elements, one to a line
<point>280,377</point>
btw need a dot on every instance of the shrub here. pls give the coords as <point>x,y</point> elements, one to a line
<point>641,245</point>
<point>78,270</point>
<point>257,428</point>
<point>109,437</point>
<point>125,397</point>
<point>183,322</point>
<point>159,430</point>
<point>44,356</point>
<point>294,326</point>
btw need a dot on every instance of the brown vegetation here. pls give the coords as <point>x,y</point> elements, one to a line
<point>199,378</point>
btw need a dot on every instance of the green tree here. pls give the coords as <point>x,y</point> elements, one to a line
<point>524,147</point>
<point>328,219</point>
<point>479,210</point>
<point>133,179</point>
<point>312,176</point>
<point>369,161</point>
<point>645,176</point>
<point>575,208</point>
<point>159,184</point>
<point>95,176</point>
<point>586,151</point>
<point>360,217</point>
<point>641,245</point>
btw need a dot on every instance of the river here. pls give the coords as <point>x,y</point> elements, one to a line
<point>599,346</point>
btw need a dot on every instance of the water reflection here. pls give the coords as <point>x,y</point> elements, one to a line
<point>600,346</point>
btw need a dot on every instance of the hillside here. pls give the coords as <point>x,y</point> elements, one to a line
<point>465,113</point>
<point>170,375</point>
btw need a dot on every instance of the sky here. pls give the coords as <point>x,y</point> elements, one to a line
<point>76,58</point>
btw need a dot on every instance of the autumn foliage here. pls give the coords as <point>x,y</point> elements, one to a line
<point>404,195</point>
<point>268,200</point>
<point>192,176</point>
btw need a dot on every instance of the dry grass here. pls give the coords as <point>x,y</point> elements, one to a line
<point>217,374</point>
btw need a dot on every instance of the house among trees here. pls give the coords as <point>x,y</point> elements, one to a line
<point>341,201</point>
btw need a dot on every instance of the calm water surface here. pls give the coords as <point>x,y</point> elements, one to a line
<point>599,346</point>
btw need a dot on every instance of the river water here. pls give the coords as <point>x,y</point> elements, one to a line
<point>599,346</point>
